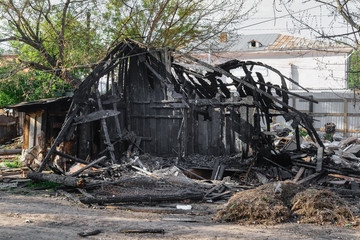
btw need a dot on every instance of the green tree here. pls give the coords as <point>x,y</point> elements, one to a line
<point>354,71</point>
<point>29,86</point>
<point>57,38</point>
<point>64,39</point>
<point>174,23</point>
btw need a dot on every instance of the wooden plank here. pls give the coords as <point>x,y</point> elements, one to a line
<point>26,132</point>
<point>88,166</point>
<point>202,135</point>
<point>309,178</point>
<point>298,175</point>
<point>217,103</point>
<point>215,169</point>
<point>228,132</point>
<point>110,147</point>
<point>160,116</point>
<point>209,132</point>
<point>244,131</point>
<point>222,126</point>
<point>145,198</point>
<point>340,130</point>
<point>94,116</point>
<point>216,131</point>
<point>345,177</point>
<point>278,165</point>
<point>297,137</point>
<point>220,172</point>
<point>153,131</point>
<point>345,117</point>
<point>32,129</point>
<point>319,159</point>
<point>236,127</point>
<point>137,231</point>
<point>38,127</point>
<point>191,173</point>
<point>186,132</point>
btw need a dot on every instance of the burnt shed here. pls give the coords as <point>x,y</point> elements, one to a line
<point>45,115</point>
<point>140,99</point>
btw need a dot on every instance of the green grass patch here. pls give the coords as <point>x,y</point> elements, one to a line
<point>33,185</point>
<point>15,163</point>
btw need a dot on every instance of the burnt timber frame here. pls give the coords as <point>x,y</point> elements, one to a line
<point>186,98</point>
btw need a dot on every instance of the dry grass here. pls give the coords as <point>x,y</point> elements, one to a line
<point>266,204</point>
<point>321,207</point>
<point>269,204</point>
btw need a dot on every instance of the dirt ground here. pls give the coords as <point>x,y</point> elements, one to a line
<point>45,216</point>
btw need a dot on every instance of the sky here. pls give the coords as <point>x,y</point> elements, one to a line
<point>269,20</point>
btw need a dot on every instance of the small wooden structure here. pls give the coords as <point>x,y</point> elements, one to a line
<point>45,115</point>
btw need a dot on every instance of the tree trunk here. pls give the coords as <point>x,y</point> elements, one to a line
<point>69,78</point>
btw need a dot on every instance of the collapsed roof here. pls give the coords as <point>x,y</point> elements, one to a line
<point>161,101</point>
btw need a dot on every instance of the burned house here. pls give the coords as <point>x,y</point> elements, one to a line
<point>155,105</point>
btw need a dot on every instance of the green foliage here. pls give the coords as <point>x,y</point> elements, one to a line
<point>64,39</point>
<point>156,23</point>
<point>28,86</point>
<point>16,163</point>
<point>354,71</point>
<point>172,23</point>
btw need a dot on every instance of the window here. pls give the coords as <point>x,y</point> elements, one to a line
<point>254,44</point>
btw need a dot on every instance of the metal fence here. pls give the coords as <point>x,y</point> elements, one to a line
<point>339,107</point>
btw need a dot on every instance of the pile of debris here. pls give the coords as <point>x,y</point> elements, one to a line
<point>253,191</point>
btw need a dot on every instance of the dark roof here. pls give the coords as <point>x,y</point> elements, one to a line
<point>40,104</point>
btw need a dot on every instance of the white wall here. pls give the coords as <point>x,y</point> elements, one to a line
<point>319,70</point>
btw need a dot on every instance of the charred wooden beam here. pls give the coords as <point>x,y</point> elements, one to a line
<point>310,178</point>
<point>289,92</point>
<point>144,198</point>
<point>105,130</point>
<point>113,92</point>
<point>94,116</point>
<point>65,180</point>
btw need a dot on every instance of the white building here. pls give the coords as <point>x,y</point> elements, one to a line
<point>319,67</point>
<point>314,65</point>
